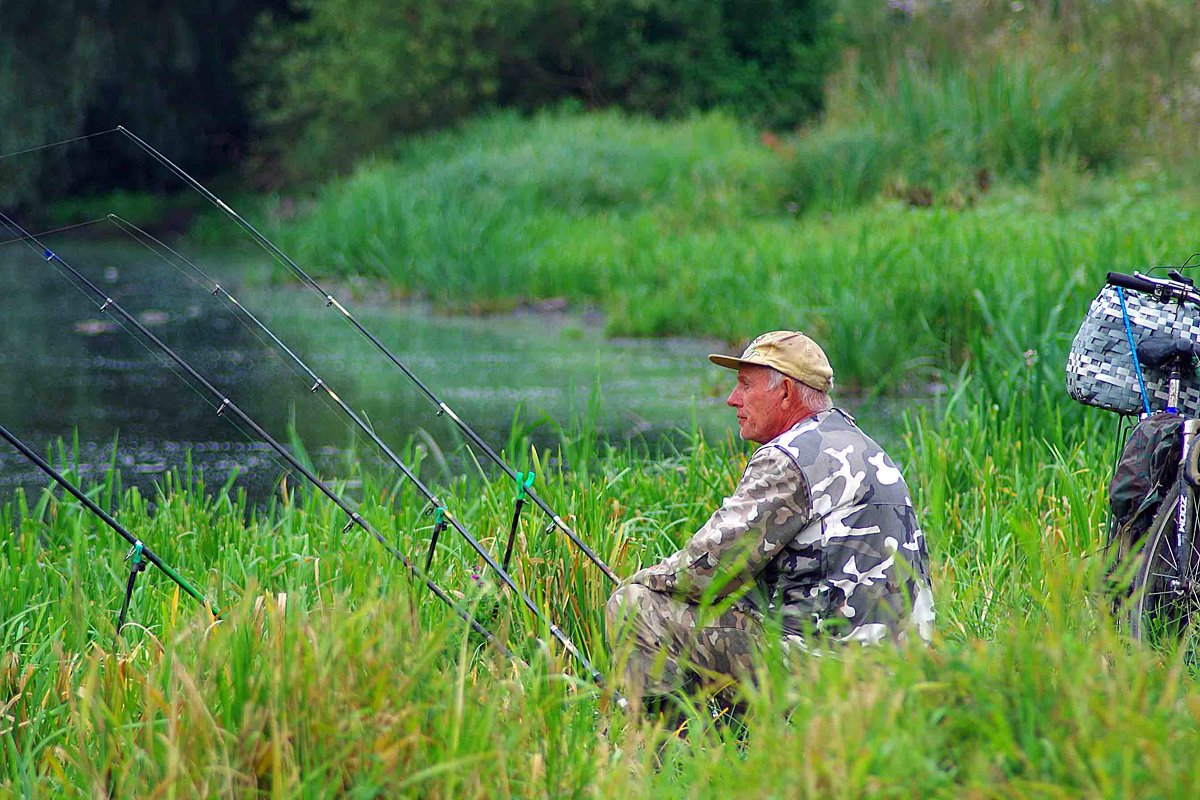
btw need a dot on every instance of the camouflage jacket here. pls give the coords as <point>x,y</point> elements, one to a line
<point>821,523</point>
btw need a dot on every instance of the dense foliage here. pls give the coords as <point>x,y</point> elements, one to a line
<point>341,78</point>
<point>31,59</point>
<point>930,101</point>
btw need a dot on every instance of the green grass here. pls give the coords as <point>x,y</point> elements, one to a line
<point>941,130</point>
<point>683,229</point>
<point>332,674</point>
<point>480,215</point>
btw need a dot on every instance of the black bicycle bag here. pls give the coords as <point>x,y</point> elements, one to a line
<point>1145,475</point>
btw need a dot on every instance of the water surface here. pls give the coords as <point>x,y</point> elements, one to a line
<point>71,370</point>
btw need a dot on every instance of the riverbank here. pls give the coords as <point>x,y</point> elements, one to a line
<point>693,229</point>
<point>684,229</point>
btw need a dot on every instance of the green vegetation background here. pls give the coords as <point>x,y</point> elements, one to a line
<point>940,228</point>
<point>268,92</point>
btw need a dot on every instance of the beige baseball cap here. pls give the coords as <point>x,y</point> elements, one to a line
<point>790,352</point>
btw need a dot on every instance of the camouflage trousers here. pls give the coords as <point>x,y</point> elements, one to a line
<point>663,644</point>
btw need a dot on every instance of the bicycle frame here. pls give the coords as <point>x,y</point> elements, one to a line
<point>1179,289</point>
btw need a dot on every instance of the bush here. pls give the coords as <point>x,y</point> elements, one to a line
<point>163,70</point>
<point>39,100</point>
<point>762,59</point>
<point>347,76</point>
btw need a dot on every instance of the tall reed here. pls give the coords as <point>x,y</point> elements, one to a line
<point>332,673</point>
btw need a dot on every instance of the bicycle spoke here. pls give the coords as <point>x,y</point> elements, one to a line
<point>1172,563</point>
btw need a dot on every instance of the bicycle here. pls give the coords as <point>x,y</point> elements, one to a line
<point>1163,603</point>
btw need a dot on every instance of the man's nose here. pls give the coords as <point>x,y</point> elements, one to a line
<point>733,399</point>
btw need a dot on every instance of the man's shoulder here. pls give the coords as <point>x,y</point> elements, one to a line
<point>825,429</point>
<point>830,441</point>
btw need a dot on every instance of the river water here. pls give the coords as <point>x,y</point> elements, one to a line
<point>69,370</point>
<point>72,375</point>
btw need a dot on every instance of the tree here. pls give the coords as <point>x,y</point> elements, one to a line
<point>164,70</point>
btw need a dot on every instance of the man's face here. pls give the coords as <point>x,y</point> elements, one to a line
<point>761,411</point>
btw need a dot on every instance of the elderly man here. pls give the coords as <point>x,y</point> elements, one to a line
<point>818,540</point>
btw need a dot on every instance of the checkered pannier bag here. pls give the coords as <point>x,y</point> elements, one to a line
<point>1100,369</point>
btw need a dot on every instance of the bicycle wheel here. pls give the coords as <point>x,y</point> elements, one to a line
<point>1164,599</point>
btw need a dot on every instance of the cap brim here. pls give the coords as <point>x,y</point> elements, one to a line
<point>729,362</point>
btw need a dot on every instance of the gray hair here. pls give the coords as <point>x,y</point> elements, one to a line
<point>812,399</point>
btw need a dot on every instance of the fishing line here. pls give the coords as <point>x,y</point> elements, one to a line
<point>331,302</point>
<point>165,253</point>
<point>228,407</point>
<point>164,361</point>
<point>319,383</point>
<point>54,230</point>
<point>33,242</point>
<point>16,153</point>
<point>209,285</point>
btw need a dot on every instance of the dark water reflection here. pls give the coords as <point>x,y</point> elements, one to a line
<point>69,368</point>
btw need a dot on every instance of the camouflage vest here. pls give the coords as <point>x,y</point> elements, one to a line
<point>859,569</point>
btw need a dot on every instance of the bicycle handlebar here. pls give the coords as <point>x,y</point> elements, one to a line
<point>1163,288</point>
<point>1135,283</point>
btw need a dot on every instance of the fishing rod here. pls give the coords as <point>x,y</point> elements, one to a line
<point>139,550</point>
<point>331,302</point>
<point>444,517</point>
<point>226,405</point>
